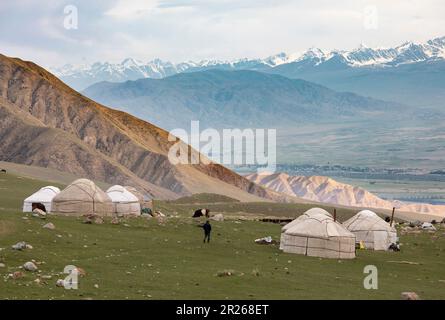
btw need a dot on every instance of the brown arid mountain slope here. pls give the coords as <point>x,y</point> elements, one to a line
<point>43,122</point>
<point>326,190</point>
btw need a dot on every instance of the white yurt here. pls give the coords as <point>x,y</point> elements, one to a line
<point>44,196</point>
<point>124,202</point>
<point>375,232</point>
<point>136,192</point>
<point>81,197</point>
<point>316,234</point>
<point>308,213</point>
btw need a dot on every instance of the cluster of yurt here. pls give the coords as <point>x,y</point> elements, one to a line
<point>316,233</point>
<point>83,196</point>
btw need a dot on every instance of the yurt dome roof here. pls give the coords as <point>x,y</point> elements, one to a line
<point>367,220</point>
<point>319,225</point>
<point>44,194</point>
<point>83,190</point>
<point>118,193</point>
<point>313,212</point>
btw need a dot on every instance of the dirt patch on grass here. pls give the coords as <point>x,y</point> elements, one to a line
<point>6,227</point>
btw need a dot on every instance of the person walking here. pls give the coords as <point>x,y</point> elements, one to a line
<point>207,229</point>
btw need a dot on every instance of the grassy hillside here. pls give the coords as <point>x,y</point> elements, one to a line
<point>45,175</point>
<point>246,209</point>
<point>203,198</point>
<point>15,188</point>
<point>142,259</point>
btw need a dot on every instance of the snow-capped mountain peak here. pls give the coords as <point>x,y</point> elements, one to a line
<point>312,53</point>
<point>277,59</point>
<point>131,69</point>
<point>130,62</point>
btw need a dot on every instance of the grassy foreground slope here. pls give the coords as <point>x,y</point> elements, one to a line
<point>142,259</point>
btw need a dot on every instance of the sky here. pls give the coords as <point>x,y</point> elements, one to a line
<point>48,33</point>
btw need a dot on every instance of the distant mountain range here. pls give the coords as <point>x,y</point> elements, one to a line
<point>237,99</point>
<point>326,190</point>
<point>410,73</point>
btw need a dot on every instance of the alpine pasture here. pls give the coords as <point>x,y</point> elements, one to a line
<point>141,258</point>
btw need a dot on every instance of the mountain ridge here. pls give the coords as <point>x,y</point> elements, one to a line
<point>243,98</point>
<point>46,123</point>
<point>84,75</point>
<point>326,190</point>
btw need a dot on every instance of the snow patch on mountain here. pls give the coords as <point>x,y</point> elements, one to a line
<point>363,56</point>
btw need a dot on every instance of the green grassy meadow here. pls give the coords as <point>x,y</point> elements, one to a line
<point>142,258</point>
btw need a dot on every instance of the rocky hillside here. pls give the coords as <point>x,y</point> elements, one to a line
<point>45,123</point>
<point>326,190</point>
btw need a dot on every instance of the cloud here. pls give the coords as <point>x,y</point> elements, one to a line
<point>180,30</point>
<point>132,9</point>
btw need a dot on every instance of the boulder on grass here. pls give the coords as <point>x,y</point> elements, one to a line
<point>30,266</point>
<point>410,296</point>
<point>17,275</point>
<point>39,213</point>
<point>93,218</point>
<point>19,246</point>
<point>218,217</point>
<point>49,226</point>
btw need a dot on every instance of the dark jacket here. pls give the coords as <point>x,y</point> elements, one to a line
<point>207,227</point>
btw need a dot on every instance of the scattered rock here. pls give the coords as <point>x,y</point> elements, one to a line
<point>19,246</point>
<point>38,213</point>
<point>265,240</point>
<point>225,273</point>
<point>17,275</point>
<point>2,265</point>
<point>159,214</point>
<point>410,296</point>
<point>60,283</point>
<point>96,286</point>
<point>218,217</point>
<point>93,218</point>
<point>81,272</point>
<point>256,272</point>
<point>98,220</point>
<point>49,226</point>
<point>115,220</point>
<point>30,266</point>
